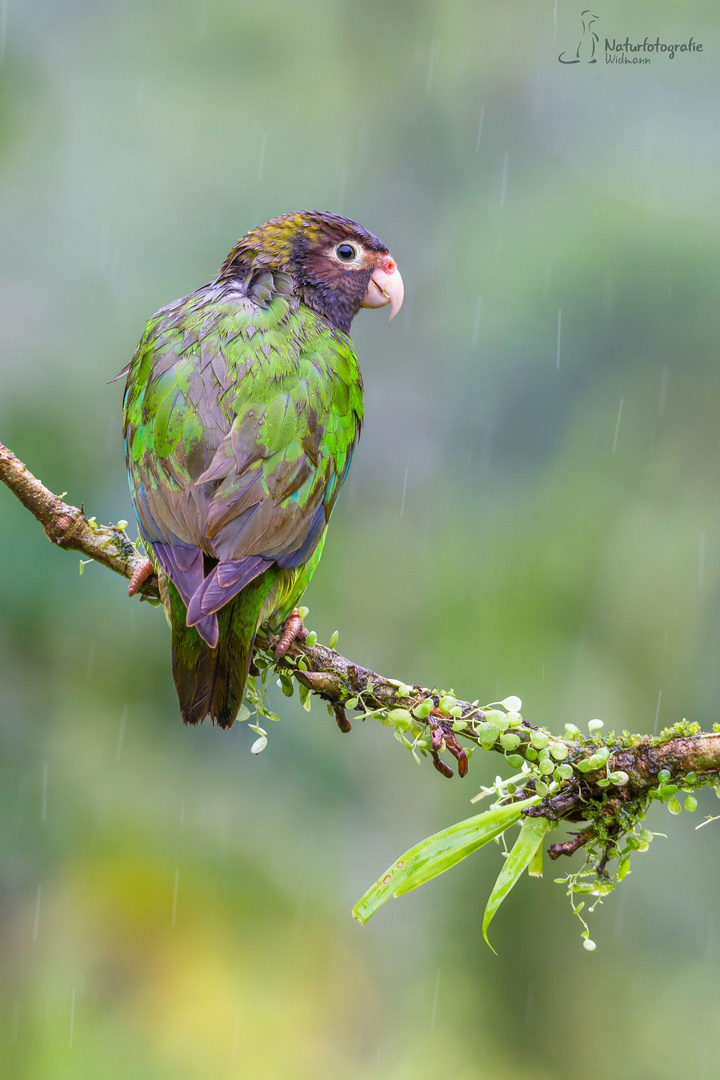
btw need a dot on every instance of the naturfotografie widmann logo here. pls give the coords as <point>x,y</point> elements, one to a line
<point>622,52</point>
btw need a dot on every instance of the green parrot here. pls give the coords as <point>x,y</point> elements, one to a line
<point>242,408</point>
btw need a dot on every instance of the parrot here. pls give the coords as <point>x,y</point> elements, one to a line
<point>243,405</point>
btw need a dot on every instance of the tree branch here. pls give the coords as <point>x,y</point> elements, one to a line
<point>606,782</point>
<point>69,527</point>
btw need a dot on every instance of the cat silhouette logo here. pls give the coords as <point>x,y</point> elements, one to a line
<point>585,52</point>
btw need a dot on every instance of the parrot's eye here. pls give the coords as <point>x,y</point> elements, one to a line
<point>346,252</point>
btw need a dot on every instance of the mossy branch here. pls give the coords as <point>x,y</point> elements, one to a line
<point>606,782</point>
<point>69,527</point>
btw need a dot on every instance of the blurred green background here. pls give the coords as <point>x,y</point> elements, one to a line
<point>533,510</point>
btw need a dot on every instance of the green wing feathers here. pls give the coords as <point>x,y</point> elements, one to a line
<point>211,682</point>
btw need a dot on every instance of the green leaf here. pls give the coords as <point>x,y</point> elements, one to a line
<point>402,718</point>
<point>334,638</point>
<point>438,853</point>
<point>532,831</point>
<point>512,704</point>
<point>423,709</point>
<point>286,685</point>
<point>535,866</point>
<point>488,733</point>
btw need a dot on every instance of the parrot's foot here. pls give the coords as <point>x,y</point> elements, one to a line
<point>341,716</point>
<point>443,738</point>
<point>143,572</point>
<point>293,628</point>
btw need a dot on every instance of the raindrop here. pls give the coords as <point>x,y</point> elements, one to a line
<point>608,298</point>
<point>617,425</point>
<point>236,1037</point>
<point>121,734</point>
<point>408,309</point>
<point>175,897</point>
<point>15,1023</point>
<point>435,999</point>
<point>203,19</point>
<point>21,801</point>
<point>341,193</point>
<point>486,445</point>
<point>476,324</point>
<point>657,713</point>
<point>523,582</point>
<point>710,939</point>
<point>620,905</point>
<point>664,379</point>
<point>72,1018</point>
<point>477,144</point>
<point>404,491</point>
<point>36,923</point>
<point>434,54</point>
<point>261,166</point>
<point>3,29</point>
<point>503,184</point>
<point>103,257</point>
<point>705,1063</point>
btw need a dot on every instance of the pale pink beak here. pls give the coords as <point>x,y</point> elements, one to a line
<point>385,287</point>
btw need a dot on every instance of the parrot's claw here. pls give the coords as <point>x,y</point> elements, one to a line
<point>443,737</point>
<point>293,628</point>
<point>140,575</point>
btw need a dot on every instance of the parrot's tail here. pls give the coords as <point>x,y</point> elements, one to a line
<point>211,682</point>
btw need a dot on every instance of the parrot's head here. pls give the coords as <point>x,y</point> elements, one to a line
<point>335,265</point>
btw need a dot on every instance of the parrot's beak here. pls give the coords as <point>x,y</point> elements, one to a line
<point>385,287</point>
